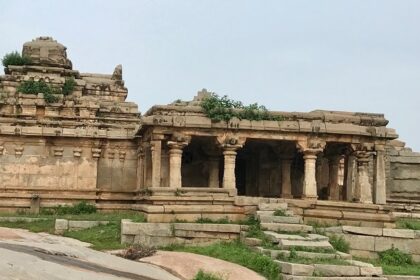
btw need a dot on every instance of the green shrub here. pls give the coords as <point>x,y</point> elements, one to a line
<point>77,209</point>
<point>223,109</point>
<point>35,87</point>
<point>201,275</point>
<point>394,256</point>
<point>280,212</point>
<point>413,224</point>
<point>339,243</point>
<point>68,86</point>
<point>14,58</point>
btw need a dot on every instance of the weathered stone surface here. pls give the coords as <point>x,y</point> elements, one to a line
<point>280,219</point>
<point>336,270</point>
<point>400,233</point>
<point>363,230</point>
<point>285,244</point>
<point>61,225</point>
<point>295,269</point>
<point>286,227</point>
<point>360,242</point>
<point>371,271</point>
<point>272,206</point>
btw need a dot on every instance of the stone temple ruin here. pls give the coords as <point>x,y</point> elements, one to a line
<point>174,162</point>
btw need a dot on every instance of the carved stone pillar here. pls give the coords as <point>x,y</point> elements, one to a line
<point>364,186</point>
<point>213,172</point>
<point>350,177</point>
<point>175,162</point>
<point>229,145</point>
<point>140,168</point>
<point>156,149</point>
<point>380,176</point>
<point>309,182</point>
<point>286,182</point>
<point>229,178</point>
<point>334,164</point>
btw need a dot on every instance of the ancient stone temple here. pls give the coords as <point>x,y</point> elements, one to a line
<point>86,142</point>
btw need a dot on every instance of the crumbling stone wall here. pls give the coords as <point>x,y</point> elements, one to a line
<point>403,172</point>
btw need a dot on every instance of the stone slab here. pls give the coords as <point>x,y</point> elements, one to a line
<point>295,269</point>
<point>400,233</point>
<point>286,227</point>
<point>272,206</point>
<point>336,270</point>
<point>363,230</point>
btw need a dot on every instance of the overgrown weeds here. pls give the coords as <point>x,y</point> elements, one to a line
<point>339,243</point>
<point>14,58</point>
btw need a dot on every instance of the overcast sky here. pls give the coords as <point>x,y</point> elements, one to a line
<point>288,55</point>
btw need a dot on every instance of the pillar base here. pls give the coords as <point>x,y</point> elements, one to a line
<point>286,196</point>
<point>307,197</point>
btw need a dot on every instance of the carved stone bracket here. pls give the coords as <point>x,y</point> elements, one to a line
<point>58,152</point>
<point>96,153</point>
<point>122,155</point>
<point>1,150</point>
<point>111,154</point>
<point>19,151</point>
<point>77,152</point>
<point>312,145</point>
<point>229,142</point>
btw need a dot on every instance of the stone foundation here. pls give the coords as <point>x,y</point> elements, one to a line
<point>163,234</point>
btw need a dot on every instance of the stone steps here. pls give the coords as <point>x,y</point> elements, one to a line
<point>271,213</point>
<point>287,244</point>
<point>276,237</point>
<point>280,219</point>
<point>294,277</point>
<point>272,206</point>
<point>286,227</point>
<point>327,271</point>
<point>302,254</point>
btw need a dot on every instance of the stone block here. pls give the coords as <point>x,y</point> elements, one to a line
<point>295,269</point>
<point>286,244</point>
<point>371,271</point>
<point>360,242</point>
<point>336,270</point>
<point>323,213</point>
<point>410,246</point>
<point>280,219</point>
<point>272,206</point>
<point>286,227</point>
<point>61,225</point>
<point>252,241</point>
<point>364,254</point>
<point>363,230</point>
<point>229,228</point>
<point>400,233</point>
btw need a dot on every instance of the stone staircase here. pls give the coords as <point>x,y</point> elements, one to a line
<point>303,254</point>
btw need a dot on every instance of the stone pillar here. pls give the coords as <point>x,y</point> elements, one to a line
<point>380,176</point>
<point>156,149</point>
<point>363,184</point>
<point>140,168</point>
<point>334,164</point>
<point>175,162</point>
<point>350,177</point>
<point>309,182</point>
<point>286,182</point>
<point>229,178</point>
<point>213,172</point>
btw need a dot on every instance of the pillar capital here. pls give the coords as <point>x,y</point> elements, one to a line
<point>230,142</point>
<point>175,145</point>
<point>311,145</point>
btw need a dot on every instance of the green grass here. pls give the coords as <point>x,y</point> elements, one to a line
<point>409,224</point>
<point>103,237</point>
<point>201,275</point>
<point>235,252</point>
<point>36,226</point>
<point>339,243</point>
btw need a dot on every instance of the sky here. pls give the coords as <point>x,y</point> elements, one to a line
<point>358,55</point>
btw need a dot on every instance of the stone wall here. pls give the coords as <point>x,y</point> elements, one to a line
<point>163,234</point>
<point>367,242</point>
<point>403,182</point>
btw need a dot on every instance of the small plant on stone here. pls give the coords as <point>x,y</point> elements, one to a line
<point>339,243</point>
<point>14,58</point>
<point>179,192</point>
<point>137,251</point>
<point>394,256</point>
<point>68,86</point>
<point>280,212</point>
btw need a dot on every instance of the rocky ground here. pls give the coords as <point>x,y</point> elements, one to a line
<point>26,255</point>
